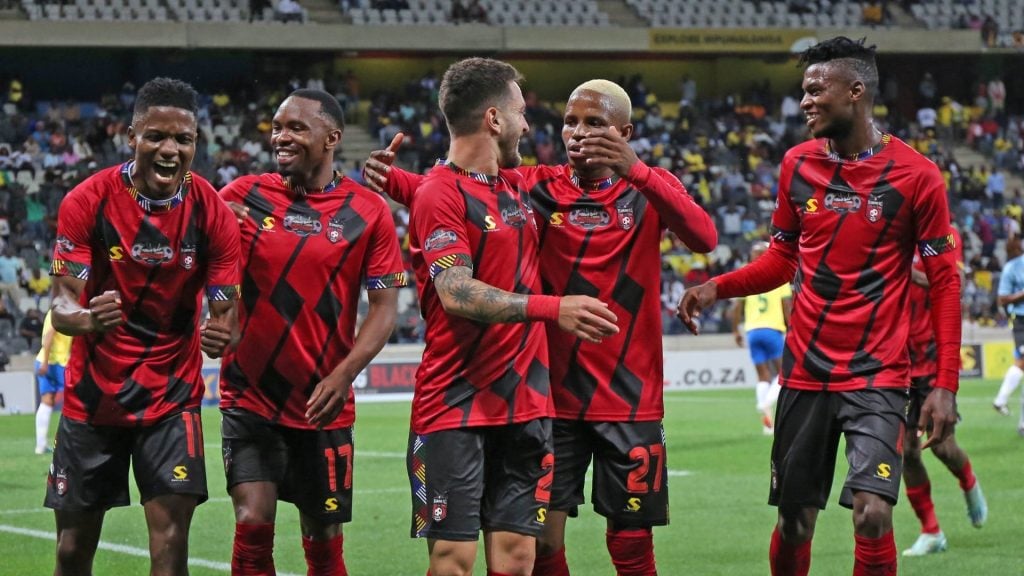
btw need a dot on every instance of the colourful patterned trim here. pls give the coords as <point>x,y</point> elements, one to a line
<point>449,261</point>
<point>937,246</point>
<point>223,293</point>
<point>835,156</point>
<point>65,268</point>
<point>592,185</point>
<point>396,280</point>
<point>303,191</point>
<point>784,235</point>
<point>486,179</point>
<point>148,204</point>
<point>418,480</point>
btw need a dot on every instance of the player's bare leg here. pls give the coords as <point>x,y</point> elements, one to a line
<point>874,552</point>
<point>168,518</point>
<point>953,456</point>
<point>790,551</point>
<point>1011,380</point>
<point>763,390</point>
<point>509,553</point>
<point>255,505</point>
<point>78,535</point>
<point>323,545</point>
<point>450,558</point>
<point>550,559</point>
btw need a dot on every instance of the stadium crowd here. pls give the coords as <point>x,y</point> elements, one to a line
<point>725,150</point>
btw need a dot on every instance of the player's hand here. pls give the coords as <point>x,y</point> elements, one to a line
<point>328,400</point>
<point>105,311</point>
<point>241,212</point>
<point>694,301</point>
<point>43,369</point>
<point>739,339</point>
<point>938,410</point>
<point>586,318</point>
<point>377,166</point>
<point>214,337</point>
<point>608,148</point>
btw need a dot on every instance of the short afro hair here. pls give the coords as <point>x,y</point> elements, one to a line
<point>851,54</point>
<point>166,92</point>
<point>330,109</point>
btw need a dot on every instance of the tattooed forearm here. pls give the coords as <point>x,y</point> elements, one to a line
<point>465,296</point>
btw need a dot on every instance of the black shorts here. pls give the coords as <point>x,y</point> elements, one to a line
<point>630,470</point>
<point>311,468</point>
<point>807,429</point>
<point>1018,336</point>
<point>920,388</point>
<point>90,463</point>
<point>495,478</point>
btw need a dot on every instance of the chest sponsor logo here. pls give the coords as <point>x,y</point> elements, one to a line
<point>302,225</point>
<point>842,202</point>
<point>439,240</point>
<point>188,256</point>
<point>514,217</point>
<point>335,231</point>
<point>152,254</point>
<point>875,208</point>
<point>589,218</point>
<point>64,245</point>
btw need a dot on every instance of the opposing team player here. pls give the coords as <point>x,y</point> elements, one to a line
<point>922,376</point>
<point>51,361</point>
<point>765,317</point>
<point>853,206</point>
<point>137,244</point>
<point>601,218</point>
<point>311,239</point>
<point>1011,295</point>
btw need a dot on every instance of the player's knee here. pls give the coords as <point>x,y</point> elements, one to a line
<point>872,516</point>
<point>73,558</point>
<point>945,451</point>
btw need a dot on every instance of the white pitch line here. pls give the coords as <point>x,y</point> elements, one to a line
<point>680,473</point>
<point>126,550</point>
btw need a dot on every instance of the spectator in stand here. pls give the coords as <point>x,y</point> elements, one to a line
<point>989,32</point>
<point>476,12</point>
<point>289,11</point>
<point>10,272</point>
<point>31,327</point>
<point>459,13</point>
<point>38,285</point>
<point>995,187</point>
<point>872,13</point>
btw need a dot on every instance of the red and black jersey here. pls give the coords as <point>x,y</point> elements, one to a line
<point>159,260</point>
<point>305,258</point>
<point>921,338</point>
<point>856,226</point>
<point>474,373</point>
<point>602,239</point>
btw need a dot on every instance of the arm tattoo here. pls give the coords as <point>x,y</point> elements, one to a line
<point>473,299</point>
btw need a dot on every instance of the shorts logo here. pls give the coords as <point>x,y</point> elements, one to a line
<point>590,218</point>
<point>633,504</point>
<point>302,225</point>
<point>188,256</point>
<point>180,473</point>
<point>883,472</point>
<point>60,481</point>
<point>65,245</point>
<point>542,515</point>
<point>152,254</point>
<point>439,239</point>
<point>331,505</point>
<point>439,511</point>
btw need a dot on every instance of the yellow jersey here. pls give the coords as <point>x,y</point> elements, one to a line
<point>765,310</point>
<point>60,346</point>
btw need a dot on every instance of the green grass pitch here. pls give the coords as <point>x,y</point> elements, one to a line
<point>719,477</point>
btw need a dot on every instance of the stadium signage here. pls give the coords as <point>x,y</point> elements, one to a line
<point>727,40</point>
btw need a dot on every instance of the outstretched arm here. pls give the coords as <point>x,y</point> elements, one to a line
<point>382,176</point>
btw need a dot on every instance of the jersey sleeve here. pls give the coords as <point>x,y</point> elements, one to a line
<point>675,207</point>
<point>402,185</point>
<point>440,218</point>
<point>938,248</point>
<point>72,254</point>
<point>223,274</point>
<point>384,267</point>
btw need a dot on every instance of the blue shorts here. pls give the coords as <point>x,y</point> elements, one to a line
<point>53,381</point>
<point>765,344</point>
